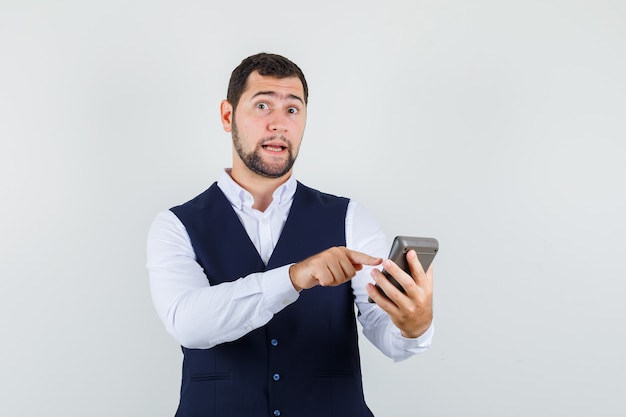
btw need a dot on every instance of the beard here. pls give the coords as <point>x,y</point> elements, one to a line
<point>255,162</point>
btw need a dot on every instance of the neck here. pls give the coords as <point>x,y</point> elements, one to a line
<point>261,188</point>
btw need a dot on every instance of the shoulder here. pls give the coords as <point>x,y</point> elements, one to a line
<point>363,231</point>
<point>325,198</point>
<point>200,200</point>
<point>166,229</point>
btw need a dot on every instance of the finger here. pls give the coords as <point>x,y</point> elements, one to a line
<point>403,278</point>
<point>415,266</point>
<point>391,292</point>
<point>345,269</point>
<point>383,302</point>
<point>338,267</point>
<point>360,258</point>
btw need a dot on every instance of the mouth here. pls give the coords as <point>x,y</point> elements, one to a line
<point>274,148</point>
<point>275,145</point>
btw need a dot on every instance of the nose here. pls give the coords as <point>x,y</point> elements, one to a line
<point>277,123</point>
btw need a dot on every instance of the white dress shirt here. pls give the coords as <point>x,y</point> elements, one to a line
<point>201,316</point>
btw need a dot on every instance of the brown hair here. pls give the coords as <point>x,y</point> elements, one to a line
<point>267,65</point>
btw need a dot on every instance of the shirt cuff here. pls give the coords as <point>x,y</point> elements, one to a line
<point>405,347</point>
<point>278,289</point>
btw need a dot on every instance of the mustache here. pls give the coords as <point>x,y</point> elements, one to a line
<point>280,138</point>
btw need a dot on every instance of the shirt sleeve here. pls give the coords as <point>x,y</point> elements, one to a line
<point>196,314</point>
<point>364,234</point>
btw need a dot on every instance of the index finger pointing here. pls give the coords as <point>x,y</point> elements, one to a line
<point>360,258</point>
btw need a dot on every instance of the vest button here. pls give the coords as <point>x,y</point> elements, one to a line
<point>276,413</point>
<point>276,377</point>
<point>274,342</point>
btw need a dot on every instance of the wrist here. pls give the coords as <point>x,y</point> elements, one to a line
<point>414,334</point>
<point>411,335</point>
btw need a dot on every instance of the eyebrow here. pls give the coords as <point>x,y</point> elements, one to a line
<point>275,94</point>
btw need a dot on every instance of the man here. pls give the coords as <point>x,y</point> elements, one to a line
<point>257,276</point>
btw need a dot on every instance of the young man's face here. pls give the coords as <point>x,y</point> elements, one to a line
<point>267,126</point>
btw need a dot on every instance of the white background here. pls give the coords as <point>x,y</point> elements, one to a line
<point>496,126</point>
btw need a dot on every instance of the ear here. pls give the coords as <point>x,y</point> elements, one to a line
<point>226,115</point>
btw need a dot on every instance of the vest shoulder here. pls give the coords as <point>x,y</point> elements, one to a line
<point>200,200</point>
<point>322,197</point>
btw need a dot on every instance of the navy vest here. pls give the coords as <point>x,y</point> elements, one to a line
<point>305,361</point>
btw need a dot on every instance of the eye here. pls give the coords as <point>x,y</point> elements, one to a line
<point>293,110</point>
<point>262,106</point>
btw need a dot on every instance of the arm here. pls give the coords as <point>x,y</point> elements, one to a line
<point>365,235</point>
<point>197,314</point>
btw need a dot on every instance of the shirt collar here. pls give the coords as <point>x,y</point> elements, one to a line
<point>239,197</point>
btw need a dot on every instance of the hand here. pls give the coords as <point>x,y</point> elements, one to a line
<point>331,267</point>
<point>412,311</point>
